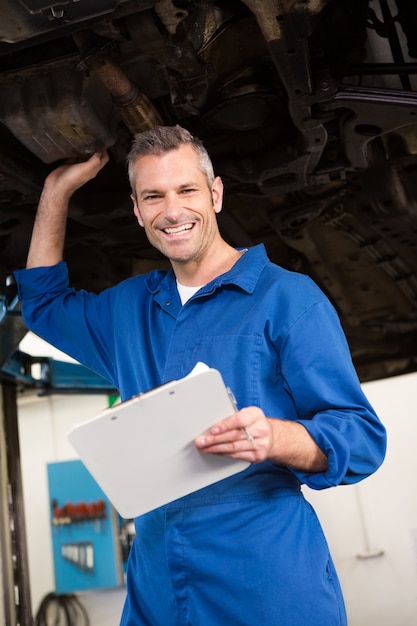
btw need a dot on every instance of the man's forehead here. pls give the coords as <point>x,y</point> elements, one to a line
<point>169,169</point>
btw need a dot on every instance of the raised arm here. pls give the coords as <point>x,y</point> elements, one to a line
<point>47,243</point>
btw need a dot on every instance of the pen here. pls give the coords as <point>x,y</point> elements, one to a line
<point>245,429</point>
<point>249,436</point>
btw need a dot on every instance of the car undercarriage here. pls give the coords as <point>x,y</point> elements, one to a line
<point>307,107</point>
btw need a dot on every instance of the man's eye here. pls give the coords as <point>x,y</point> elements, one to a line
<point>151,197</point>
<point>188,190</point>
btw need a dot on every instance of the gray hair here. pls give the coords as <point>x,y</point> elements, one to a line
<point>161,139</point>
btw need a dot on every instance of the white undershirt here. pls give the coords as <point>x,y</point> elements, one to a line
<point>186,292</point>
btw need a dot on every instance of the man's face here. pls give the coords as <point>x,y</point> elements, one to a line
<point>175,204</point>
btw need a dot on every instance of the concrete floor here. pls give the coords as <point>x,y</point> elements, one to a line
<point>104,608</point>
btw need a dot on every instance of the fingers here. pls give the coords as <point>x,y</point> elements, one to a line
<point>248,419</point>
<point>100,157</point>
<point>93,164</point>
<point>245,435</point>
<point>230,441</point>
<point>74,174</point>
<point>249,436</point>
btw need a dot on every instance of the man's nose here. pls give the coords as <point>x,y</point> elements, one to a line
<point>172,206</point>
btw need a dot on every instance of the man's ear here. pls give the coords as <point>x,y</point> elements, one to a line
<point>217,194</point>
<point>136,211</point>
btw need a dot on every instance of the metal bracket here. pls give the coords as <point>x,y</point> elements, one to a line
<point>8,300</point>
<point>53,376</point>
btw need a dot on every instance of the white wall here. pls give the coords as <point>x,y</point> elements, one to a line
<point>371,527</point>
<point>44,423</point>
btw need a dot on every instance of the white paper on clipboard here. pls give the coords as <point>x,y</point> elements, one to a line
<point>141,451</point>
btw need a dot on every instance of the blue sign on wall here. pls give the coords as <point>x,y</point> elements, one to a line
<point>85,531</point>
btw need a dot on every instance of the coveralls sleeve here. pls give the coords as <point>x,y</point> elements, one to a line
<point>320,377</point>
<point>76,322</point>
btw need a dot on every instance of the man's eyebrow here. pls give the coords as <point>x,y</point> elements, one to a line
<point>156,192</point>
<point>189,184</point>
<point>149,192</point>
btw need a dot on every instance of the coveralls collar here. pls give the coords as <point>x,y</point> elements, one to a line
<point>245,274</point>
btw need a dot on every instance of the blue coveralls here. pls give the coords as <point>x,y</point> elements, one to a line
<point>248,550</point>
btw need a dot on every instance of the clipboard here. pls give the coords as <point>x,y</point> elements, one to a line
<point>141,451</point>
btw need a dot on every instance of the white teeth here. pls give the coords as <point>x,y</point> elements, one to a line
<point>177,229</point>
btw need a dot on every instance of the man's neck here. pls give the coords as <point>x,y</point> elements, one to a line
<point>196,273</point>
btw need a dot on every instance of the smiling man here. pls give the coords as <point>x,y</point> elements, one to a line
<point>176,198</point>
<point>248,549</point>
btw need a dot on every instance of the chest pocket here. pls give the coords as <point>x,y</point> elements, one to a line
<point>238,359</point>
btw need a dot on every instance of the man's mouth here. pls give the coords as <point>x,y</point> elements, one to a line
<point>175,230</point>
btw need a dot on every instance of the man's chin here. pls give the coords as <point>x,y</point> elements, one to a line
<point>176,252</point>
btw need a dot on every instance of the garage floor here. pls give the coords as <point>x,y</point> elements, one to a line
<point>104,608</point>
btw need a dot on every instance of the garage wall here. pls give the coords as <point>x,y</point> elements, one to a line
<point>44,423</point>
<point>43,427</point>
<point>371,527</point>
